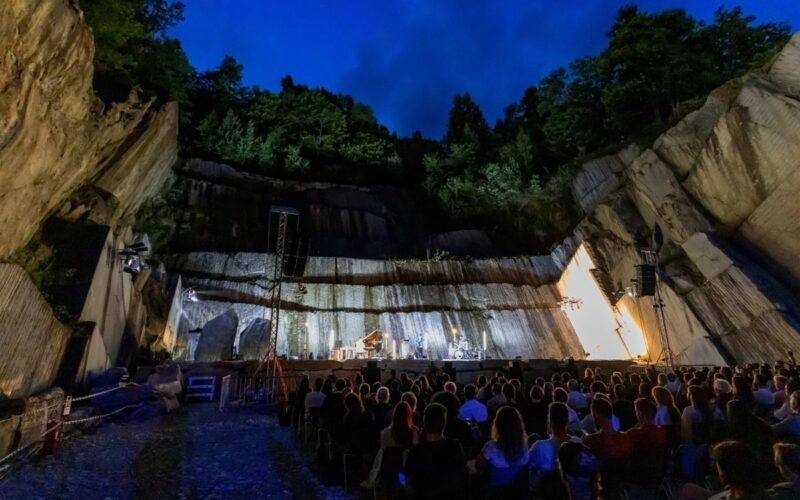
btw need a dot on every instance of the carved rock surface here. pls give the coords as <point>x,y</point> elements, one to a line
<point>55,135</point>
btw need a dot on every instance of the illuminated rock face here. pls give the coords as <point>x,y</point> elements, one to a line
<point>722,185</point>
<point>341,300</point>
<point>56,138</point>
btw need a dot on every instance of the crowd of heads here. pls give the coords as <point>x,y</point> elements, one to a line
<point>590,434</point>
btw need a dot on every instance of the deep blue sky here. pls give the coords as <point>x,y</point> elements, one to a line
<point>408,58</point>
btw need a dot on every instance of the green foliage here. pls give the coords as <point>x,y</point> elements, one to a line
<point>514,177</point>
<point>132,49</point>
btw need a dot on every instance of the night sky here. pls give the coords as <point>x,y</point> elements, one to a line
<point>408,58</point>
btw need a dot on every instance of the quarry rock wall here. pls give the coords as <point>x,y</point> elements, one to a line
<point>339,300</point>
<point>57,137</point>
<point>225,210</point>
<point>722,186</point>
<point>65,154</point>
<point>32,338</point>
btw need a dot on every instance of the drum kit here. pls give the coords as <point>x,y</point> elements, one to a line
<point>463,349</point>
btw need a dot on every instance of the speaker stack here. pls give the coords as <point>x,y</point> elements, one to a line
<point>646,280</point>
<point>372,373</point>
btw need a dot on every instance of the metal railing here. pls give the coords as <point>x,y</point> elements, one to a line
<point>255,389</point>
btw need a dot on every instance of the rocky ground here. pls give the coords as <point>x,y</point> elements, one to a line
<point>198,452</point>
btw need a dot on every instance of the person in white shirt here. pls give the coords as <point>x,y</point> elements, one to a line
<point>472,408</point>
<point>575,398</point>
<point>543,454</point>
<point>315,398</point>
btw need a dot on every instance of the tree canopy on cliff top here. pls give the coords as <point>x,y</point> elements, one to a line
<point>512,178</point>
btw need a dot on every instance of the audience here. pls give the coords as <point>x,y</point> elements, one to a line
<point>528,438</point>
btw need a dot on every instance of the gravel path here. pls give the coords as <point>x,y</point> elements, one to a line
<point>198,452</point>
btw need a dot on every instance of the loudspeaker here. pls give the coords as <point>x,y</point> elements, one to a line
<point>515,370</point>
<point>372,373</point>
<point>450,370</point>
<point>295,245</point>
<point>646,279</point>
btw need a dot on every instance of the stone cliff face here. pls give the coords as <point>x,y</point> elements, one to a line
<point>722,186</point>
<point>512,301</point>
<point>224,210</point>
<point>56,138</point>
<point>65,156</point>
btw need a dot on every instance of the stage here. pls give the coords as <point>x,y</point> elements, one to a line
<point>466,371</point>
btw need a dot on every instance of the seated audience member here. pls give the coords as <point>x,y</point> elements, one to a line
<point>650,445</point>
<point>505,456</point>
<point>785,411</point>
<point>579,468</point>
<point>496,400</point>
<point>560,396</point>
<point>543,454</point>
<point>472,408</point>
<point>534,412</point>
<point>612,448</point>
<point>762,395</point>
<point>363,392</point>
<point>575,398</point>
<point>787,460</point>
<point>435,468</point>
<point>696,418</point>
<point>722,394</point>
<point>667,414</point>
<point>484,390</point>
<point>451,387</point>
<point>790,426</point>
<point>673,384</point>
<point>332,410</point>
<point>456,428</point>
<point>623,408</point>
<point>779,387</point>
<point>381,409</point>
<point>587,423</point>
<point>315,398</point>
<point>735,464</point>
<point>749,430</point>
<point>510,395</point>
<point>743,391</point>
<point>358,430</point>
<point>400,434</point>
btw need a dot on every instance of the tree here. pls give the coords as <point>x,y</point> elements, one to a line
<point>130,39</point>
<point>739,45</point>
<point>652,63</point>
<point>466,123</point>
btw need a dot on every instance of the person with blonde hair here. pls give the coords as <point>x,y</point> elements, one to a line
<point>505,456</point>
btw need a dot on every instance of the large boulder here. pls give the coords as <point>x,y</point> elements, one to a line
<point>217,337</point>
<point>254,340</point>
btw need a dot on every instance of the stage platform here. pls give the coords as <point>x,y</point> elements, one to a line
<point>466,371</point>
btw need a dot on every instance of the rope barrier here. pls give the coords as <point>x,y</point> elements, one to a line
<point>89,396</point>
<point>98,417</point>
<point>69,422</point>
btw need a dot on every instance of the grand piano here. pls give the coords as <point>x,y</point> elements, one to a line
<point>369,346</point>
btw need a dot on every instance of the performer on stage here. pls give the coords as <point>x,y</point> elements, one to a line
<point>419,351</point>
